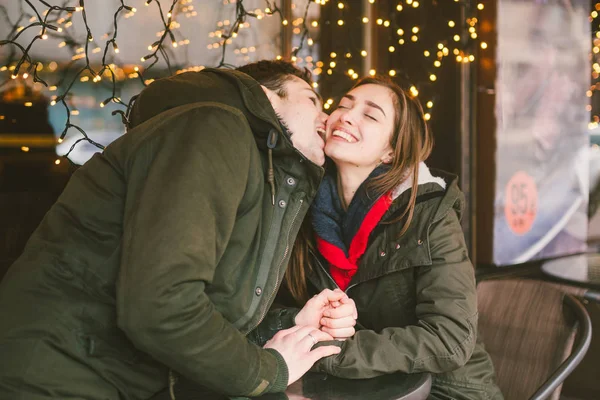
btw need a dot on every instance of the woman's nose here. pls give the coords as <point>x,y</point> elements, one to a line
<point>347,117</point>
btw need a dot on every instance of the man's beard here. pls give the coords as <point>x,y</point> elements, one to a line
<point>286,129</point>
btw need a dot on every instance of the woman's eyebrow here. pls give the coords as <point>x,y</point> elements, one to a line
<point>374,105</point>
<point>368,102</point>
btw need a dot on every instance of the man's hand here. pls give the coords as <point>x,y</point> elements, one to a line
<point>295,346</point>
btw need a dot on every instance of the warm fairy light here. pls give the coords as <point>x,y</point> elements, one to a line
<point>391,49</point>
<point>25,149</point>
<point>333,55</point>
<point>414,91</point>
<point>451,24</point>
<point>341,6</point>
<point>28,104</point>
<point>427,116</point>
<point>426,53</point>
<point>459,58</point>
<point>372,72</point>
<point>437,63</point>
<point>379,21</point>
<point>57,161</point>
<point>340,22</point>
<point>365,20</point>
<point>415,29</point>
<point>432,78</point>
<point>392,72</point>
<point>429,104</point>
<point>386,23</point>
<point>400,32</point>
<point>456,38</point>
<point>480,6</point>
<point>483,45</point>
<point>363,53</point>
<point>284,22</point>
<point>399,7</point>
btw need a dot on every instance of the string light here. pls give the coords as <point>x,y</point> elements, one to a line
<point>228,32</point>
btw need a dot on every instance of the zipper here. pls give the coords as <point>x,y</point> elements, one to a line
<point>323,268</point>
<point>329,275</point>
<point>285,253</point>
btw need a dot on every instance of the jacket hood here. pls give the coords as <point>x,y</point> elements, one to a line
<point>228,87</point>
<point>432,183</point>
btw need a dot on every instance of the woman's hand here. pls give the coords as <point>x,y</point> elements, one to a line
<point>339,319</point>
<point>332,311</point>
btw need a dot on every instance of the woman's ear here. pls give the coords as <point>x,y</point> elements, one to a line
<point>388,157</point>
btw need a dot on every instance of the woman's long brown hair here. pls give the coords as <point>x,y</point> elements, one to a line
<point>412,143</point>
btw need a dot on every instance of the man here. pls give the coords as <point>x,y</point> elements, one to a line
<point>163,252</point>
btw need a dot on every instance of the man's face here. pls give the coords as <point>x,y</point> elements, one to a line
<point>301,112</point>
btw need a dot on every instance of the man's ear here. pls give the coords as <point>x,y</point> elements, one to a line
<point>270,94</point>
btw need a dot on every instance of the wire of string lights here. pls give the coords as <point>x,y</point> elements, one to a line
<point>55,21</point>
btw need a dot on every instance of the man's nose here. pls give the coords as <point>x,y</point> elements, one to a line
<point>323,118</point>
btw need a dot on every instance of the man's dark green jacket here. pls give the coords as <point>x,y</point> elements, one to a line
<point>162,253</point>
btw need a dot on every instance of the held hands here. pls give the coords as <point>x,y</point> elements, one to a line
<point>328,315</point>
<point>331,311</point>
<point>295,346</point>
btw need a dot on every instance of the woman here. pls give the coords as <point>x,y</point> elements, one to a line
<point>385,229</point>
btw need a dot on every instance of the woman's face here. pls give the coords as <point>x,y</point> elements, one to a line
<point>359,130</point>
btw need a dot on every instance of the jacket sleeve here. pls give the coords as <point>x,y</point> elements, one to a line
<point>276,320</point>
<point>443,338</point>
<point>282,315</point>
<point>192,171</point>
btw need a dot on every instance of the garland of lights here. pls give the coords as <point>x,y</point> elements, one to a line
<point>55,21</point>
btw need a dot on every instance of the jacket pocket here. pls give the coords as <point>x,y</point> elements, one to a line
<point>94,346</point>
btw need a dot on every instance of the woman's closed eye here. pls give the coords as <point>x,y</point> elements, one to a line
<point>371,117</point>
